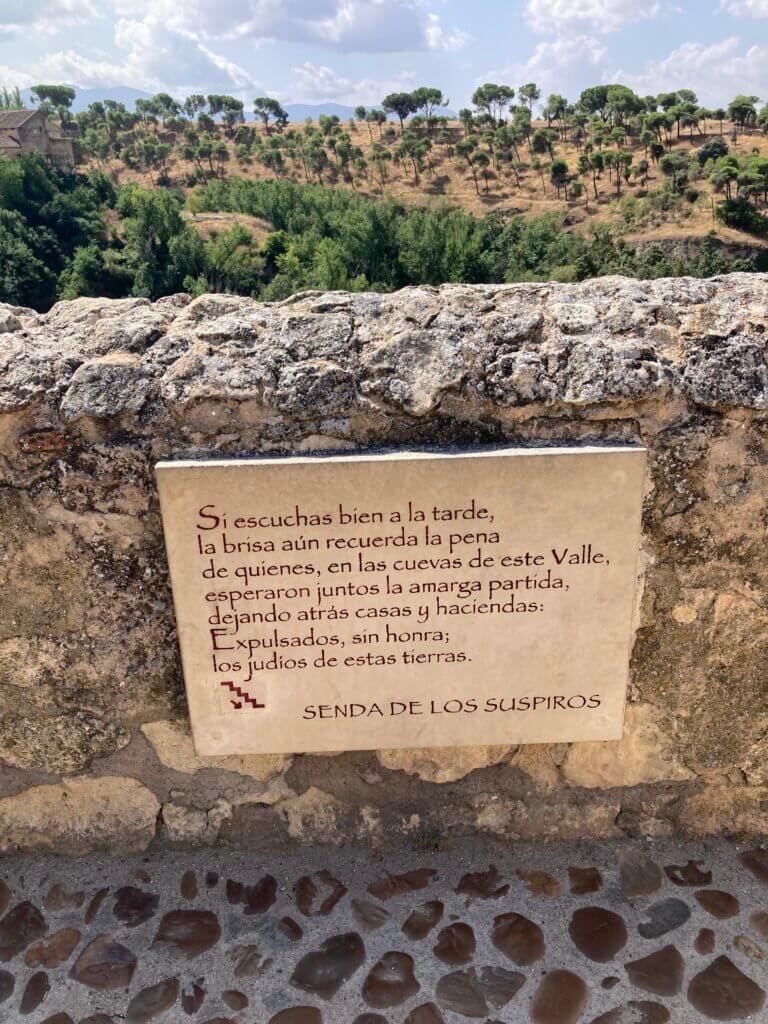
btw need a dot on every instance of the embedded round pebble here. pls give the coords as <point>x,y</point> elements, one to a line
<point>560,998</point>
<point>323,971</point>
<point>598,933</point>
<point>663,917</point>
<point>426,1014</point>
<point>37,988</point>
<point>152,1001</point>
<point>19,928</point>
<point>584,880</point>
<point>691,873</point>
<point>104,964</point>
<point>369,916</point>
<point>298,1015</point>
<point>462,993</point>
<point>518,938</point>
<point>539,883</point>
<point>719,904</point>
<point>635,1012</point>
<point>756,861</point>
<point>423,919</point>
<point>483,885</point>
<point>391,981</point>
<point>660,973</point>
<point>188,932</point>
<point>705,942</point>
<point>7,985</point>
<point>640,875</point>
<point>134,906</point>
<point>722,992</point>
<point>455,944</point>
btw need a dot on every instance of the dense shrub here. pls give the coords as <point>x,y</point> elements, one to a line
<point>64,236</point>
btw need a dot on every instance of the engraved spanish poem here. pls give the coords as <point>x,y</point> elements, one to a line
<point>405,600</point>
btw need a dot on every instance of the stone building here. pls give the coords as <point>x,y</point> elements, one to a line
<point>29,131</point>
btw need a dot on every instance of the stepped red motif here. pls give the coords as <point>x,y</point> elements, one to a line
<point>238,704</point>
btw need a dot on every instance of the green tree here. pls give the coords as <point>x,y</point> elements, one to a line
<point>402,104</point>
<point>543,141</point>
<point>10,99</point>
<point>57,97</point>
<point>556,109</point>
<point>529,94</point>
<point>577,191</point>
<point>594,100</point>
<point>428,99</point>
<point>466,149</point>
<point>558,175</point>
<point>622,103</point>
<point>742,110</point>
<point>675,166</point>
<point>231,264</point>
<point>268,109</point>
<point>493,100</point>
<point>160,247</point>
<point>194,104</point>
<point>483,161</point>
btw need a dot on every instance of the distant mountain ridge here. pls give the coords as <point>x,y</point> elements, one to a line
<point>120,93</point>
<point>128,96</point>
<point>301,111</point>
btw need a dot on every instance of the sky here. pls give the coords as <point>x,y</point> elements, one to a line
<point>356,51</point>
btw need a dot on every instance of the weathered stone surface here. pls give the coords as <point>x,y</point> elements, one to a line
<point>79,817</point>
<point>94,392</point>
<point>192,826</point>
<point>57,743</point>
<point>645,754</point>
<point>541,819</point>
<point>312,817</point>
<point>725,810</point>
<point>441,764</point>
<point>172,742</point>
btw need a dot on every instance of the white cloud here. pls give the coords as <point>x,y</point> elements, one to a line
<point>45,17</point>
<point>176,46</point>
<point>152,56</point>
<point>312,83</point>
<point>160,56</point>
<point>716,73</point>
<point>561,16</point>
<point>10,78</point>
<point>564,65</point>
<point>365,26</point>
<point>746,8</point>
<point>448,41</point>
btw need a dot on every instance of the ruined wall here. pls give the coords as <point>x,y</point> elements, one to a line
<point>94,748</point>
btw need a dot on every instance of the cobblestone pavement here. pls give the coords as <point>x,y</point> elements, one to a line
<point>610,933</point>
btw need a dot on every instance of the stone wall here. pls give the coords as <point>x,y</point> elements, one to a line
<point>94,746</point>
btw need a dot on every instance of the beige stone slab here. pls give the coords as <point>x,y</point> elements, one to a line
<point>404,600</point>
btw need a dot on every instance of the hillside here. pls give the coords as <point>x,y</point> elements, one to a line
<point>630,193</point>
<point>191,197</point>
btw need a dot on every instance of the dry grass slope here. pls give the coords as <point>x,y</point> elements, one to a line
<point>443,176</point>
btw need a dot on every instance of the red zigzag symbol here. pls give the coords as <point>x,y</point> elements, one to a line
<point>231,685</point>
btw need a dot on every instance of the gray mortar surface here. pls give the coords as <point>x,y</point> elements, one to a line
<point>32,877</point>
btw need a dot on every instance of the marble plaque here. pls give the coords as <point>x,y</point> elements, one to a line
<point>404,600</point>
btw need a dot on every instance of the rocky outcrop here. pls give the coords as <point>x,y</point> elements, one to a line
<point>93,393</point>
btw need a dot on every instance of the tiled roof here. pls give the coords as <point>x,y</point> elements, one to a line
<point>10,119</point>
